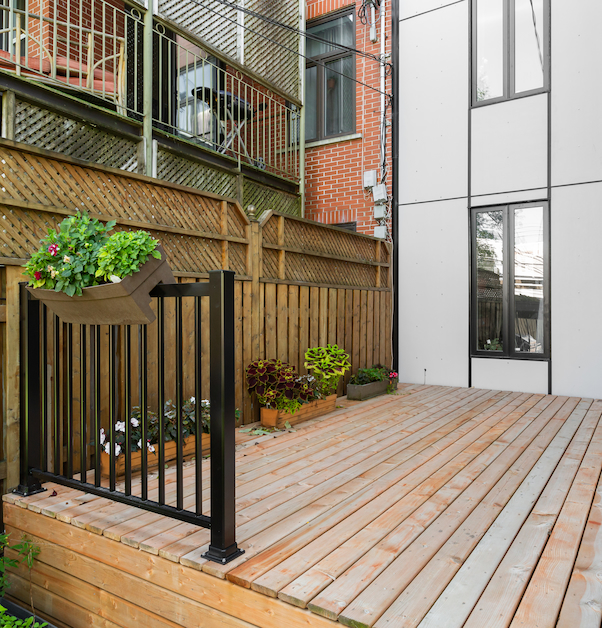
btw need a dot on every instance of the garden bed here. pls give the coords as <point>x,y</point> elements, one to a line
<point>311,410</point>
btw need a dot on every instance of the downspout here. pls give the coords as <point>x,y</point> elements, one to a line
<point>395,165</point>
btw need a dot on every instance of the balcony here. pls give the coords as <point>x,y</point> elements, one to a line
<point>96,51</point>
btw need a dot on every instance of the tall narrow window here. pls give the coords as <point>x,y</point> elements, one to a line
<point>510,285</point>
<point>329,85</point>
<point>509,48</point>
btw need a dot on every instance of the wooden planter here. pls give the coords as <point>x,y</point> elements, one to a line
<point>21,613</point>
<point>311,410</point>
<point>359,392</point>
<point>124,303</point>
<point>189,450</point>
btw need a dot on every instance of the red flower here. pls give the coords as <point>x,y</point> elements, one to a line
<point>37,275</point>
<point>53,249</point>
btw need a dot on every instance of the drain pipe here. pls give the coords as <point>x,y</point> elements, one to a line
<point>395,165</point>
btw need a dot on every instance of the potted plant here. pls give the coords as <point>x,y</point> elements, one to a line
<point>189,432</point>
<point>371,382</point>
<point>86,276</point>
<point>327,364</point>
<point>12,615</point>
<point>279,389</point>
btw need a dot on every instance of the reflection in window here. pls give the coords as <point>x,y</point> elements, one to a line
<point>510,39</point>
<point>194,115</point>
<point>528,280</point>
<point>490,49</point>
<point>509,280</point>
<point>528,42</point>
<point>490,280</point>
<point>329,85</point>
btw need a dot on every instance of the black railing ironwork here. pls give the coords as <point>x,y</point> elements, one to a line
<point>51,430</point>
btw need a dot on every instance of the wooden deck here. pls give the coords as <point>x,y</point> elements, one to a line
<point>436,507</point>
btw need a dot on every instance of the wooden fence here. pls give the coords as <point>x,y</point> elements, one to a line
<point>298,283</point>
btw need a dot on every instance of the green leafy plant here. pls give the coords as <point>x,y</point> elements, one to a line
<point>277,385</point>
<point>123,254</point>
<point>327,364</point>
<point>67,259</point>
<point>492,345</point>
<point>9,621</point>
<point>376,373</point>
<point>27,552</point>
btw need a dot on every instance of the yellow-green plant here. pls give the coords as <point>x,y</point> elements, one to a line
<point>327,364</point>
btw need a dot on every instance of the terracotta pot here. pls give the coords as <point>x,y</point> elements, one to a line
<point>311,410</point>
<point>189,450</point>
<point>124,303</point>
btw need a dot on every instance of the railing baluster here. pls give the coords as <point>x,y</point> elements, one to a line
<point>179,399</point>
<point>56,402</point>
<point>143,410</point>
<point>95,360</point>
<point>128,410</point>
<point>112,402</point>
<point>161,396</point>
<point>83,400</point>
<point>197,408</point>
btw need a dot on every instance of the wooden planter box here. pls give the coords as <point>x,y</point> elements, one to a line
<point>124,303</point>
<point>21,613</point>
<point>311,410</point>
<point>359,392</point>
<point>153,458</point>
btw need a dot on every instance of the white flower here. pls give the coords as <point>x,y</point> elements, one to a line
<point>140,444</point>
<point>192,400</point>
<point>66,259</point>
<point>117,449</point>
<point>108,448</point>
<point>103,436</point>
<point>134,422</point>
<point>151,448</point>
<point>115,278</point>
<point>120,426</point>
<point>205,402</point>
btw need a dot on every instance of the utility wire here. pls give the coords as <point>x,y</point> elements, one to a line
<point>298,31</point>
<point>295,52</point>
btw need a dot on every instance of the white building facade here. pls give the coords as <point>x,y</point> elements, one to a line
<point>500,194</point>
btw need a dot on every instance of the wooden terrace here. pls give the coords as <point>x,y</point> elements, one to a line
<point>435,507</point>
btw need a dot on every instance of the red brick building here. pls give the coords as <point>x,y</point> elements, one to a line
<point>344,118</point>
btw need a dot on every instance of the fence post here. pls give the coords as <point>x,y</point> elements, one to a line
<point>31,415</point>
<point>222,548</point>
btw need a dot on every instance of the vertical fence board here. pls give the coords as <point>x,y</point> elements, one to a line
<point>355,356</point>
<point>238,343</point>
<point>293,326</point>
<point>323,317</point>
<point>282,322</point>
<point>370,329</point>
<point>376,333</point>
<point>248,355</point>
<point>271,347</point>
<point>314,318</point>
<point>332,316</point>
<point>363,327</point>
<point>303,326</point>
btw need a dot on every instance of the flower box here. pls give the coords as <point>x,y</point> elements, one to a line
<point>359,392</point>
<point>124,303</point>
<point>189,450</point>
<point>311,410</point>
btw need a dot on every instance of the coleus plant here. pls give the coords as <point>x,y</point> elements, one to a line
<point>327,364</point>
<point>277,385</point>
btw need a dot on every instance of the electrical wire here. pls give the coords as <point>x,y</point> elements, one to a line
<point>295,52</point>
<point>298,31</point>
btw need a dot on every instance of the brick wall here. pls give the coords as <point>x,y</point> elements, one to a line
<point>334,172</point>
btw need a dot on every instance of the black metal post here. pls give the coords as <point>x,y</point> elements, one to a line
<point>31,411</point>
<point>223,547</point>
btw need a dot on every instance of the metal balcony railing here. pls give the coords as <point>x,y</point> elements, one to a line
<point>96,48</point>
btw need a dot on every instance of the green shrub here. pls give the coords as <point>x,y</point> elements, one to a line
<point>327,364</point>
<point>376,373</point>
<point>124,252</point>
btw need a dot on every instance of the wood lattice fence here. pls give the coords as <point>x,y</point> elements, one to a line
<point>298,283</point>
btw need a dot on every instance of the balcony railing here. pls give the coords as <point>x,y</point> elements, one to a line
<point>95,48</point>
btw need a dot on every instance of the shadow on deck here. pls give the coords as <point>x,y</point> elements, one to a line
<point>439,507</point>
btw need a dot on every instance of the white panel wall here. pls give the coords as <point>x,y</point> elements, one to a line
<point>576,222</point>
<point>433,103</point>
<point>509,146</point>
<point>576,91</point>
<point>433,288</point>
<point>410,8</point>
<point>516,375</point>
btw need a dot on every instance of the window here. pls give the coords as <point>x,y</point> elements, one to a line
<point>330,90</point>
<point>510,43</point>
<point>510,295</point>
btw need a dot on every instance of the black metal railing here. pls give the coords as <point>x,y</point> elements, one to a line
<point>65,406</point>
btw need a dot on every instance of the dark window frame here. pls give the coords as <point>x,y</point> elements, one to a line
<point>319,62</point>
<point>509,56</point>
<point>509,351</point>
